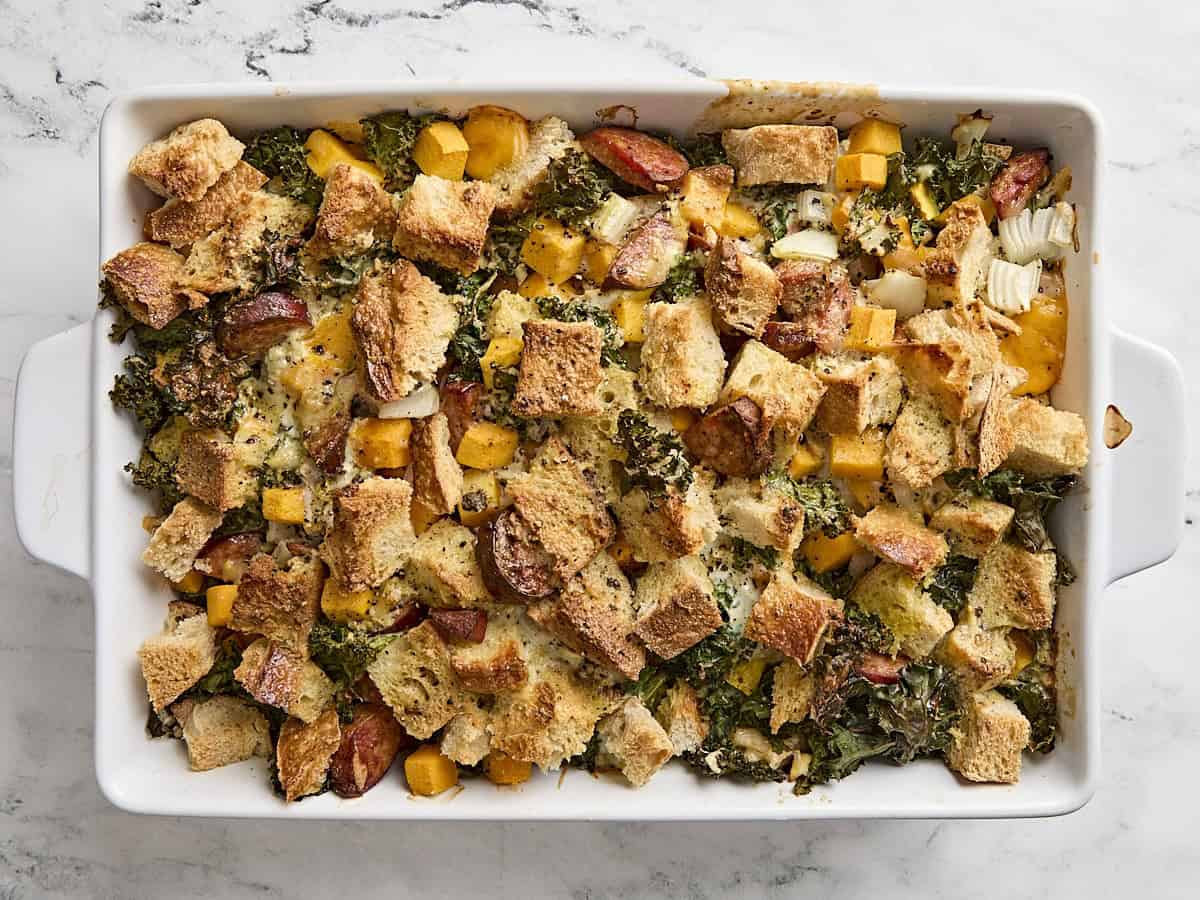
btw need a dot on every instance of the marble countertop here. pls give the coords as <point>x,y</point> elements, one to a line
<point>61,62</point>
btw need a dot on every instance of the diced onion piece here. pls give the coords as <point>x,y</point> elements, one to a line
<point>1017,237</point>
<point>613,219</point>
<point>816,207</point>
<point>1041,234</point>
<point>898,290</point>
<point>878,239</point>
<point>1061,231</point>
<point>1010,288</point>
<point>969,129</point>
<point>807,244</point>
<point>422,402</point>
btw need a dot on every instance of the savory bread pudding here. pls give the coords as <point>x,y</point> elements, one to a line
<point>487,446</point>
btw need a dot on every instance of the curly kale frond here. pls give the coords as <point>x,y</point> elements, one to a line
<point>746,554</point>
<point>655,460</point>
<point>1034,689</point>
<point>704,149</point>
<point>279,153</point>
<point>728,762</point>
<point>123,322</point>
<point>470,342</point>
<point>389,139</point>
<point>860,631</point>
<point>153,474</point>
<point>947,176</point>
<point>505,240</point>
<point>581,311</point>
<point>683,281</point>
<point>137,390</point>
<point>824,507</point>
<point>951,582</point>
<point>219,679</point>
<point>1032,498</point>
<point>242,520</point>
<point>343,653</point>
<point>573,188</point>
<point>777,205</point>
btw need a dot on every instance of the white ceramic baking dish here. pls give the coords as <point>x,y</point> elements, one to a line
<point>76,509</point>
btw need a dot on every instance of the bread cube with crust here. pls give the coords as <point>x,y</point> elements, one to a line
<point>676,606</point>
<point>787,393</point>
<point>177,658</point>
<point>632,741</point>
<point>916,621</point>
<point>500,662</point>
<point>516,183</point>
<point>442,569</point>
<point>177,542</point>
<point>892,534</point>
<point>1045,441</point>
<point>188,161</point>
<point>444,222</point>
<point>679,714</point>
<point>402,324</point>
<point>593,615</point>
<point>705,192</point>
<point>980,657</point>
<point>210,470</point>
<point>437,476</point>
<point>355,213</point>
<point>921,445</point>
<point>1014,588</point>
<point>560,370</point>
<point>791,615</point>
<point>792,692</point>
<point>957,267</point>
<point>795,154</point>
<point>859,394</point>
<point>673,526</point>
<point>280,603</point>
<point>972,525</point>
<point>148,280</point>
<point>371,534</point>
<point>180,223</point>
<point>682,360</point>
<point>415,678</point>
<point>304,751</point>
<point>744,291</point>
<point>223,730</point>
<point>760,514</point>
<point>987,742</point>
<point>281,677</point>
<point>466,739</point>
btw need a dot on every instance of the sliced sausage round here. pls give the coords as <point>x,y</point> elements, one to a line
<point>734,439</point>
<point>514,566</point>
<point>635,157</point>
<point>370,743</point>
<point>1020,178</point>
<point>251,327</point>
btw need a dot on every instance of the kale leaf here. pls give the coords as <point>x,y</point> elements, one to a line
<point>1034,690</point>
<point>389,139</point>
<point>505,240</point>
<point>948,177</point>
<point>241,520</point>
<point>729,762</point>
<point>573,188</point>
<point>1032,498</point>
<point>219,679</point>
<point>137,390</point>
<point>745,554</point>
<point>581,311</point>
<point>279,154</point>
<point>683,280</point>
<point>153,474</point>
<point>824,507</point>
<point>704,149</point>
<point>777,204</point>
<point>952,582</point>
<point>655,459</point>
<point>469,342</point>
<point>343,653</point>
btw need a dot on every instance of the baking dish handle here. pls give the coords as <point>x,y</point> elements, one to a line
<point>51,443</point>
<point>1148,468</point>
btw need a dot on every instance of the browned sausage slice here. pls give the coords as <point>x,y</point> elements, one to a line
<point>251,327</point>
<point>370,742</point>
<point>734,439</point>
<point>638,158</point>
<point>1022,175</point>
<point>818,298</point>
<point>880,669</point>
<point>514,566</point>
<point>647,256</point>
<point>226,558</point>
<point>460,624</point>
<point>790,339</point>
<point>458,402</point>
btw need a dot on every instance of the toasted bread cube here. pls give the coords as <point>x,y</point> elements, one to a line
<point>381,443</point>
<point>1045,440</point>
<point>517,183</point>
<point>442,150</point>
<point>177,542</point>
<point>744,291</point>
<point>553,250</point>
<point>632,741</point>
<point>957,267</point>
<point>673,527</point>
<point>987,743</point>
<point>871,329</point>
<point>761,515</point>
<point>857,455</point>
<point>219,601</point>
<point>181,223</point>
<point>436,474</point>
<point>676,606</point>
<point>371,534</point>
<point>486,445</point>
<point>355,212</point>
<point>279,603</point>
<point>705,191</point>
<point>859,394</point>
<point>875,136</point>
<point>594,616</point>
<point>807,460</point>
<point>917,622</point>
<point>824,554</point>
<point>444,222</point>
<point>630,313</point>
<point>679,714</point>
<point>973,525</point>
<point>508,315</point>
<point>921,445</point>
<point>442,569</point>
<point>149,282</point>
<point>223,730</point>
<point>980,657</point>
<point>496,137</point>
<point>283,505</point>
<point>792,694</point>
<point>787,393</point>
<point>188,161</point>
<point>465,739</point>
<point>304,751</point>
<point>739,222</point>
<point>345,606</point>
<point>682,360</point>
<point>560,370</point>
<point>791,616</point>
<point>414,675</point>
<point>480,499</point>
<point>274,675</point>
<point>861,170</point>
<point>428,772</point>
<point>208,469</point>
<point>498,663</point>
<point>796,154</point>
<point>894,535</point>
<point>325,152</point>
<point>1014,588</point>
<point>177,658</point>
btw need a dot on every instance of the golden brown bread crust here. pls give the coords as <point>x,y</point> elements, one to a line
<point>921,445</point>
<point>278,676</point>
<point>223,730</point>
<point>177,658</point>
<point>188,161</point>
<point>797,154</point>
<point>987,742</point>
<point>673,526</point>
<point>788,394</point>
<point>371,534</point>
<point>973,525</point>
<point>859,395</point>
<point>676,606</point>
<point>1014,588</point>
<point>414,675</point>
<point>279,603</point>
<point>560,370</point>
<point>894,535</point>
<point>442,569</point>
<point>791,616</point>
<point>682,360</point>
<point>147,280</point>
<point>437,477</point>
<point>177,542</point>
<point>209,470</point>
<point>744,291</point>
<point>181,223</point>
<point>498,666</point>
<point>445,222</point>
<point>633,741</point>
<point>792,692</point>
<point>355,212</point>
<point>303,753</point>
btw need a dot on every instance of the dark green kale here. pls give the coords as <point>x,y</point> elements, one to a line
<point>650,686</point>
<point>470,342</point>
<point>952,582</point>
<point>704,150</point>
<point>860,631</point>
<point>154,474</point>
<point>1034,690</point>
<point>278,478</point>
<point>219,679</point>
<point>1032,498</point>
<point>655,460</point>
<point>124,321</point>
<point>949,178</point>
<point>389,139</point>
<point>137,390</point>
<point>729,762</point>
<point>824,507</point>
<point>581,311</point>
<point>746,554</point>
<point>278,262</point>
<point>347,271</point>
<point>241,520</point>
<point>505,240</point>
<point>683,281</point>
<point>777,204</point>
<point>574,187</point>
<point>586,759</point>
<point>838,582</point>
<point>343,653</point>
<point>279,154</point>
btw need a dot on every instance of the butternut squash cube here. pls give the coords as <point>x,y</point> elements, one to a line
<point>805,461</point>
<point>824,554</point>
<point>332,339</point>
<point>536,285</point>
<point>861,170</point>
<point>857,455</point>
<point>428,772</point>
<point>190,583</point>
<point>984,204</point>
<point>496,136</point>
<point>746,675</point>
<point>867,494</point>
<point>441,150</point>
<point>739,222</point>
<point>283,505</point>
<point>325,151</point>
<point>479,487</point>
<point>219,600</point>
<point>598,258</point>
<point>553,250</point>
<point>501,352</point>
<point>630,313</point>
<point>875,136</point>
<point>487,445</point>
<point>622,551</point>
<point>871,329</point>
<point>344,606</point>
<point>381,443</point>
<point>682,419</point>
<point>840,216</point>
<point>501,768</point>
